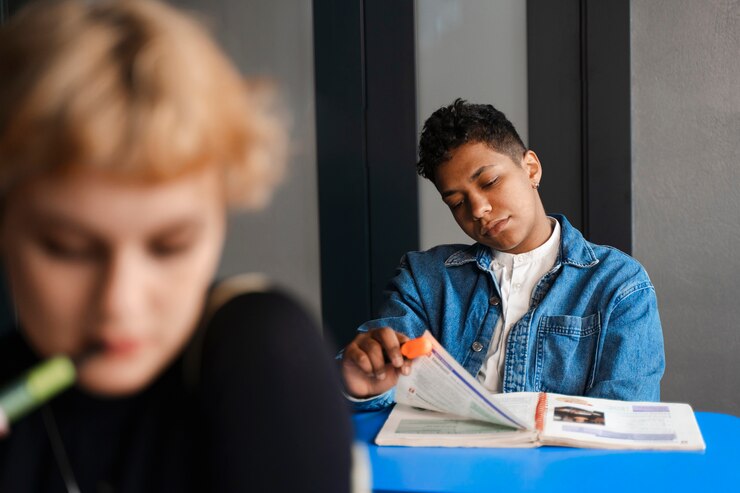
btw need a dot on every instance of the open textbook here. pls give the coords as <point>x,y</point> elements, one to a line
<point>441,405</point>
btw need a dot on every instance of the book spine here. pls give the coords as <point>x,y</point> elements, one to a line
<point>539,416</point>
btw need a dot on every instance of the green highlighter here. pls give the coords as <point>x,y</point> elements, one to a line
<point>35,387</point>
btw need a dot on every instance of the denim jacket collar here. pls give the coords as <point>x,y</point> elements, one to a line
<point>574,250</point>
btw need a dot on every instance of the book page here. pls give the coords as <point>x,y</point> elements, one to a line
<point>604,423</point>
<point>440,383</point>
<point>521,405</point>
<point>415,427</point>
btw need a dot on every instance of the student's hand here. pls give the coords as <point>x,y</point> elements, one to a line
<point>372,362</point>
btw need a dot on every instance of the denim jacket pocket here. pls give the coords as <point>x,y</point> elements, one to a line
<point>566,351</point>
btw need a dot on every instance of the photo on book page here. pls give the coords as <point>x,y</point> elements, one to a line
<point>577,415</point>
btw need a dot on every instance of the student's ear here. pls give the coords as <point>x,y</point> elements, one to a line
<point>531,164</point>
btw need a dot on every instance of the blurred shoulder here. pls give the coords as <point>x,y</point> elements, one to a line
<point>251,302</point>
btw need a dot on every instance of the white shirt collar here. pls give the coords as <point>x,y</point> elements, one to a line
<point>545,250</point>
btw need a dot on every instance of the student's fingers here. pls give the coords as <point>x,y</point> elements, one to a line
<point>367,354</point>
<point>402,338</point>
<point>355,355</point>
<point>361,377</point>
<point>375,353</point>
<point>391,342</point>
<point>364,367</point>
<point>358,384</point>
<point>406,367</point>
<point>356,380</point>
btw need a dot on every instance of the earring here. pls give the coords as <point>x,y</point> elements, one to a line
<point>536,185</point>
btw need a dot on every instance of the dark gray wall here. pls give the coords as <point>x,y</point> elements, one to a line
<point>686,189</point>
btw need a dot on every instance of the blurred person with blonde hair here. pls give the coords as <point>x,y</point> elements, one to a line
<point>125,137</point>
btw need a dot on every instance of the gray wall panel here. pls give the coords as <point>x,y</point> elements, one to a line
<point>686,179</point>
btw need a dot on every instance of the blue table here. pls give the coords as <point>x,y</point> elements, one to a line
<point>556,469</point>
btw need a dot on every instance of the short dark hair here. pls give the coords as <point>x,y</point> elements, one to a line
<point>460,123</point>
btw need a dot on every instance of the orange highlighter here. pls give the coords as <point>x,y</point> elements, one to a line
<point>421,346</point>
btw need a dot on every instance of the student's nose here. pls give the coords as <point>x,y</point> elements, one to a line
<point>479,206</point>
<point>122,292</point>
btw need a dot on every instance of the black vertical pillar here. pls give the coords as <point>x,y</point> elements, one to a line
<point>554,102</point>
<point>609,152</point>
<point>579,113</point>
<point>366,150</point>
<point>391,137</point>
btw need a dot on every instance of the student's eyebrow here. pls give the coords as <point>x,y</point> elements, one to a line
<point>480,171</point>
<point>183,226</point>
<point>472,178</point>
<point>53,220</point>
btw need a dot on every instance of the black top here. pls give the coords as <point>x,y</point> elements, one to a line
<point>265,414</point>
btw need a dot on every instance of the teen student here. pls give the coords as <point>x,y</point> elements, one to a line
<point>125,137</point>
<point>531,305</point>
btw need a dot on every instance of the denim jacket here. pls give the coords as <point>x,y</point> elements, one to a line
<point>592,327</point>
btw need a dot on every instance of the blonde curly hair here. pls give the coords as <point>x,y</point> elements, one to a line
<point>135,88</point>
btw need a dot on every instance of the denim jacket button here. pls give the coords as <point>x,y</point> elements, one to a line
<point>494,301</point>
<point>477,346</point>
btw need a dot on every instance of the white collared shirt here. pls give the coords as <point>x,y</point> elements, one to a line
<point>517,275</point>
